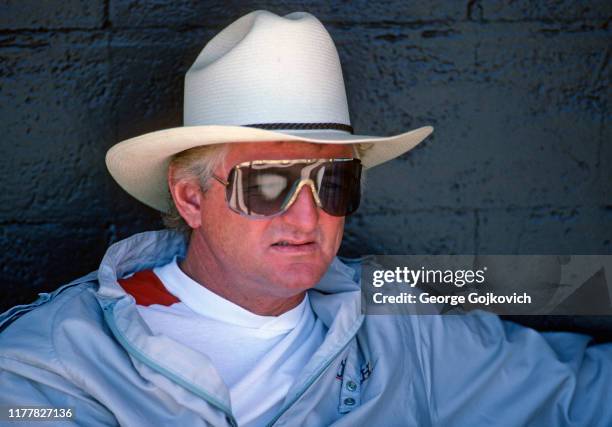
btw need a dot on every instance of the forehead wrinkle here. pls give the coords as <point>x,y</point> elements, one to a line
<point>318,147</point>
<point>293,144</point>
<point>278,146</point>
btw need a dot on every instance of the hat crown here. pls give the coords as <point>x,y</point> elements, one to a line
<point>267,69</point>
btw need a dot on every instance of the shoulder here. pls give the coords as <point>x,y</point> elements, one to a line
<point>466,334</point>
<point>28,332</point>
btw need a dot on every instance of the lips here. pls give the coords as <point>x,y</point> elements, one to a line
<point>291,243</point>
<point>295,247</point>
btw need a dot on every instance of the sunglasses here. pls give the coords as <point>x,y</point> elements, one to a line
<point>266,188</point>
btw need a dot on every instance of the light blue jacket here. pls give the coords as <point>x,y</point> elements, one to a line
<point>85,346</point>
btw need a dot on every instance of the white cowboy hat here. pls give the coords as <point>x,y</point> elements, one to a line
<point>263,78</point>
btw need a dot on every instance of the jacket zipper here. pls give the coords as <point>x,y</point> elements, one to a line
<point>136,353</point>
<point>314,377</point>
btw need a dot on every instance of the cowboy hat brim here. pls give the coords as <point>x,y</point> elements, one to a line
<point>140,164</point>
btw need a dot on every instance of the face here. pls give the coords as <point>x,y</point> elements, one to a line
<point>246,251</point>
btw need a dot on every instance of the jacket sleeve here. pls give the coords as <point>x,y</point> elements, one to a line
<point>481,370</point>
<point>41,388</point>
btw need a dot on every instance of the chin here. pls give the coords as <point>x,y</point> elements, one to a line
<point>300,277</point>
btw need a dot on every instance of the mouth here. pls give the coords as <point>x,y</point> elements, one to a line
<point>292,246</point>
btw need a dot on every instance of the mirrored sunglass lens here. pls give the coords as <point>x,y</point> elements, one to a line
<point>259,190</point>
<point>339,187</point>
<point>267,192</point>
<point>269,185</point>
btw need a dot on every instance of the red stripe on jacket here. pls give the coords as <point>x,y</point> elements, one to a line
<point>147,289</point>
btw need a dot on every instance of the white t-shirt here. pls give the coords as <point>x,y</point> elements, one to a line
<point>258,357</point>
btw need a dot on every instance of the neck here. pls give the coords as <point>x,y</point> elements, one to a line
<point>201,266</point>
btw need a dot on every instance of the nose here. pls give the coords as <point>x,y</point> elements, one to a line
<point>303,212</point>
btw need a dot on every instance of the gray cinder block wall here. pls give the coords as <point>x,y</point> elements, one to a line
<point>518,91</point>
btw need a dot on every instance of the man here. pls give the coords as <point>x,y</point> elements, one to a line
<point>250,319</point>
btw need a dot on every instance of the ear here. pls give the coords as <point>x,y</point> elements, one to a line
<point>187,198</point>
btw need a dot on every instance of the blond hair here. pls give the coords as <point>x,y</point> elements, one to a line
<point>196,163</point>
